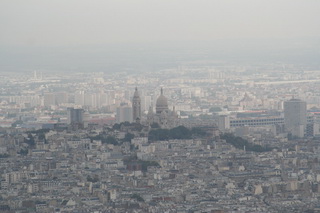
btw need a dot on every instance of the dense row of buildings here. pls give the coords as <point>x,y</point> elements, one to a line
<point>64,148</point>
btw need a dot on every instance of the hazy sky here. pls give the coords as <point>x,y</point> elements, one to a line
<point>81,22</point>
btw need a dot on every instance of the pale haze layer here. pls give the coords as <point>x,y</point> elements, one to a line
<point>107,21</point>
<point>75,23</point>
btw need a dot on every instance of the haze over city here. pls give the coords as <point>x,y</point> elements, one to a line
<point>108,35</point>
<point>175,106</point>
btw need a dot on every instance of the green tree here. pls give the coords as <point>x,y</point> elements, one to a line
<point>110,140</point>
<point>137,197</point>
<point>128,137</point>
<point>159,134</point>
<point>94,179</point>
<point>198,132</point>
<point>41,136</point>
<point>180,132</point>
<point>116,126</point>
<point>215,109</point>
<point>241,143</point>
<point>30,140</point>
<point>146,164</point>
<point>126,123</point>
<point>23,152</point>
<point>4,155</point>
<point>155,125</point>
<point>16,123</point>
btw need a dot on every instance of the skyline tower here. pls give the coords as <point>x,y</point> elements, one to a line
<point>136,106</point>
<point>124,113</point>
<point>295,116</point>
<point>75,117</point>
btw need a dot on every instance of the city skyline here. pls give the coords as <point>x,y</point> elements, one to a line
<point>175,106</point>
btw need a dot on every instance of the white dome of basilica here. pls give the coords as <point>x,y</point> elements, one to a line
<point>162,103</point>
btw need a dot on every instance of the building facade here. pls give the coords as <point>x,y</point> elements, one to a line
<point>75,117</point>
<point>295,116</point>
<point>124,113</point>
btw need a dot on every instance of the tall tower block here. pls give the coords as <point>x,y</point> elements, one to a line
<point>136,106</point>
<point>295,116</point>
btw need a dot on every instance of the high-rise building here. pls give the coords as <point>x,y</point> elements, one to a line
<point>49,99</point>
<point>124,113</point>
<point>223,123</point>
<point>89,99</point>
<point>52,99</point>
<point>295,116</point>
<point>136,107</point>
<point>79,98</point>
<point>75,116</point>
<point>146,102</point>
<point>61,98</point>
<point>104,99</point>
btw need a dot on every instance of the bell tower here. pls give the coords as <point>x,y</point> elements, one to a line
<point>136,106</point>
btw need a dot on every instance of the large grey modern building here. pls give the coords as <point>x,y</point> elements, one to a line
<point>295,116</point>
<point>75,118</point>
<point>124,113</point>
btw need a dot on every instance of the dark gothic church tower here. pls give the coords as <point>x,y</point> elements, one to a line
<point>136,106</point>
